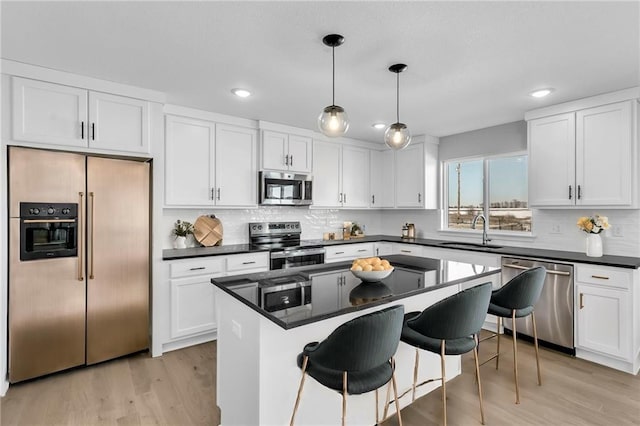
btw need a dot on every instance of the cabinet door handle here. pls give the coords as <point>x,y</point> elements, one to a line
<point>373,199</point>
<point>600,277</point>
<point>82,130</point>
<point>579,192</point>
<point>218,194</point>
<point>213,193</point>
<point>419,197</point>
<point>340,198</point>
<point>339,252</point>
<point>345,197</point>
<point>291,160</point>
<point>377,252</point>
<point>581,300</point>
<point>200,268</point>
<point>361,250</point>
<point>405,251</point>
<point>93,131</point>
<point>249,263</point>
<point>570,193</point>
<point>286,160</point>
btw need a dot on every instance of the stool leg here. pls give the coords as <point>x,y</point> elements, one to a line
<point>444,384</point>
<point>415,375</point>
<point>498,337</point>
<point>344,397</point>
<point>395,391</point>
<point>377,417</point>
<point>475,357</point>
<point>387,402</point>
<point>515,355</point>
<point>535,341</point>
<point>295,408</point>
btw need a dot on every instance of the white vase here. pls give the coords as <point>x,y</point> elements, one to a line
<point>180,242</point>
<point>594,245</point>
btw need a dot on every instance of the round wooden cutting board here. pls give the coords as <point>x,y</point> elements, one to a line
<point>207,230</point>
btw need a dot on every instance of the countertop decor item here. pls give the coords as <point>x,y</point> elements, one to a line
<point>371,269</point>
<point>397,135</point>
<point>181,229</point>
<point>593,226</point>
<point>333,120</point>
<point>208,231</point>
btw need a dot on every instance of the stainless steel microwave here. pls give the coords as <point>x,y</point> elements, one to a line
<point>285,189</point>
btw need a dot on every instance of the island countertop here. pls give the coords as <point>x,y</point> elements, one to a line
<point>336,291</point>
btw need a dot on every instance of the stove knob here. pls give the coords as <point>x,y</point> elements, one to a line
<point>50,210</point>
<point>65,211</point>
<point>35,211</point>
<point>259,227</point>
<point>253,227</point>
<point>288,226</point>
<point>297,225</point>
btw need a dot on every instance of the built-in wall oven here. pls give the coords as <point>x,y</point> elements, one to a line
<point>48,230</point>
<point>285,189</point>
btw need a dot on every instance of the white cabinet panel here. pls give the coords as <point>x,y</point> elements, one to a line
<point>300,149</point>
<point>344,252</point>
<point>118,123</point>
<point>244,263</point>
<point>604,155</point>
<point>189,162</point>
<point>382,180</point>
<point>410,177</point>
<point>235,166</point>
<point>327,183</point>
<point>355,177</point>
<point>49,113</point>
<point>283,151</point>
<point>190,267</point>
<point>192,306</point>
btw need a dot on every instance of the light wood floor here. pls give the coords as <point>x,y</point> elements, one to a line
<point>179,389</point>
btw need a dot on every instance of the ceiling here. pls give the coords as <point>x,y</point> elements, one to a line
<point>471,64</point>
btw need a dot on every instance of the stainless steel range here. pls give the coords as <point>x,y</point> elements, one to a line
<point>283,241</point>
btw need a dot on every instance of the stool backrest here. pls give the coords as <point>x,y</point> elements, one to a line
<point>455,317</point>
<point>521,291</point>
<point>362,343</point>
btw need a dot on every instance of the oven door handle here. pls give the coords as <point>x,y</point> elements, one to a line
<point>524,268</point>
<point>49,220</point>
<point>293,253</point>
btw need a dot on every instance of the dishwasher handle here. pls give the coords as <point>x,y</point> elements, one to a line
<point>524,268</point>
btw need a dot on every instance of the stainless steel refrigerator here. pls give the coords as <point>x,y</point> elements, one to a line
<point>78,260</point>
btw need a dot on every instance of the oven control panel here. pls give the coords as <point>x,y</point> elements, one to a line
<point>274,228</point>
<point>50,210</point>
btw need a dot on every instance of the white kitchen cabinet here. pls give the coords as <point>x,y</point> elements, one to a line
<point>348,252</point>
<point>330,291</point>
<point>604,311</point>
<point>208,164</point>
<point>382,179</point>
<point>192,306</point>
<point>340,176</point>
<point>584,158</point>
<point>407,249</point>
<point>416,176</point>
<point>66,116</point>
<point>235,166</point>
<point>283,151</point>
<point>383,249</point>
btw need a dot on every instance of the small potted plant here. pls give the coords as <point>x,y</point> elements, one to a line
<point>181,229</point>
<point>593,226</point>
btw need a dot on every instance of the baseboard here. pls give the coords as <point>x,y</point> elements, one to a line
<point>189,341</point>
<point>4,387</point>
<point>617,364</point>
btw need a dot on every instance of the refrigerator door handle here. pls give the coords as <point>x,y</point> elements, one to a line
<point>92,195</point>
<point>80,245</point>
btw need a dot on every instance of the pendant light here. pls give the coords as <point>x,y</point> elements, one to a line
<point>333,120</point>
<point>397,135</point>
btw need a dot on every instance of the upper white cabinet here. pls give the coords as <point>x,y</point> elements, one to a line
<point>283,151</point>
<point>65,116</point>
<point>341,175</point>
<point>416,172</point>
<point>208,164</point>
<point>584,158</point>
<point>382,179</point>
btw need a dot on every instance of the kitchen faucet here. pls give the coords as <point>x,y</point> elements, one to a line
<point>485,239</point>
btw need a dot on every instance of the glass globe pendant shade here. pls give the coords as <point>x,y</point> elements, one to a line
<point>397,136</point>
<point>333,121</point>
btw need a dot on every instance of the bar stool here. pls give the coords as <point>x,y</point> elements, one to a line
<point>356,358</point>
<point>449,327</point>
<point>516,299</point>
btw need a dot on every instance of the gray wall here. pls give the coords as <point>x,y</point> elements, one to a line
<point>506,138</point>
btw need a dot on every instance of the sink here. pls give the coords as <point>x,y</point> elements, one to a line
<point>468,245</point>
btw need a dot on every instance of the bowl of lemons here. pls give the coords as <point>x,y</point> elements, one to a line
<point>371,269</point>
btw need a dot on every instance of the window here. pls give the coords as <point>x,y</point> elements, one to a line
<point>495,187</point>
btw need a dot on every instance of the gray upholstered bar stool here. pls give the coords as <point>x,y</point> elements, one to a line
<point>516,299</point>
<point>356,358</point>
<point>449,327</point>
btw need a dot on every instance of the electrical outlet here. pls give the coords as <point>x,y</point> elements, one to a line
<point>236,328</point>
<point>556,229</point>
<point>616,230</point>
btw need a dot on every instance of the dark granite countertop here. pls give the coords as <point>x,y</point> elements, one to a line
<point>411,276</point>
<point>553,255</point>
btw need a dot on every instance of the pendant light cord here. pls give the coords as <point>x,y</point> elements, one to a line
<point>397,97</point>
<point>333,75</point>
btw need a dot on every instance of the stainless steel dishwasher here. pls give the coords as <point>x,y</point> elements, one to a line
<point>554,310</point>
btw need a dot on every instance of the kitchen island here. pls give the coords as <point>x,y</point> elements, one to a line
<point>260,334</point>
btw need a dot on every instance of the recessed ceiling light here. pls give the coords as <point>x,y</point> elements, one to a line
<point>243,93</point>
<point>541,93</point>
<point>378,126</point>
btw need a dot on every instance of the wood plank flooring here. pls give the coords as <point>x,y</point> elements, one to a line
<point>179,389</point>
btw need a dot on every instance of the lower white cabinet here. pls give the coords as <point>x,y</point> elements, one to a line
<point>605,323</point>
<point>407,249</point>
<point>345,252</point>
<point>330,291</point>
<point>192,316</point>
<point>383,249</point>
